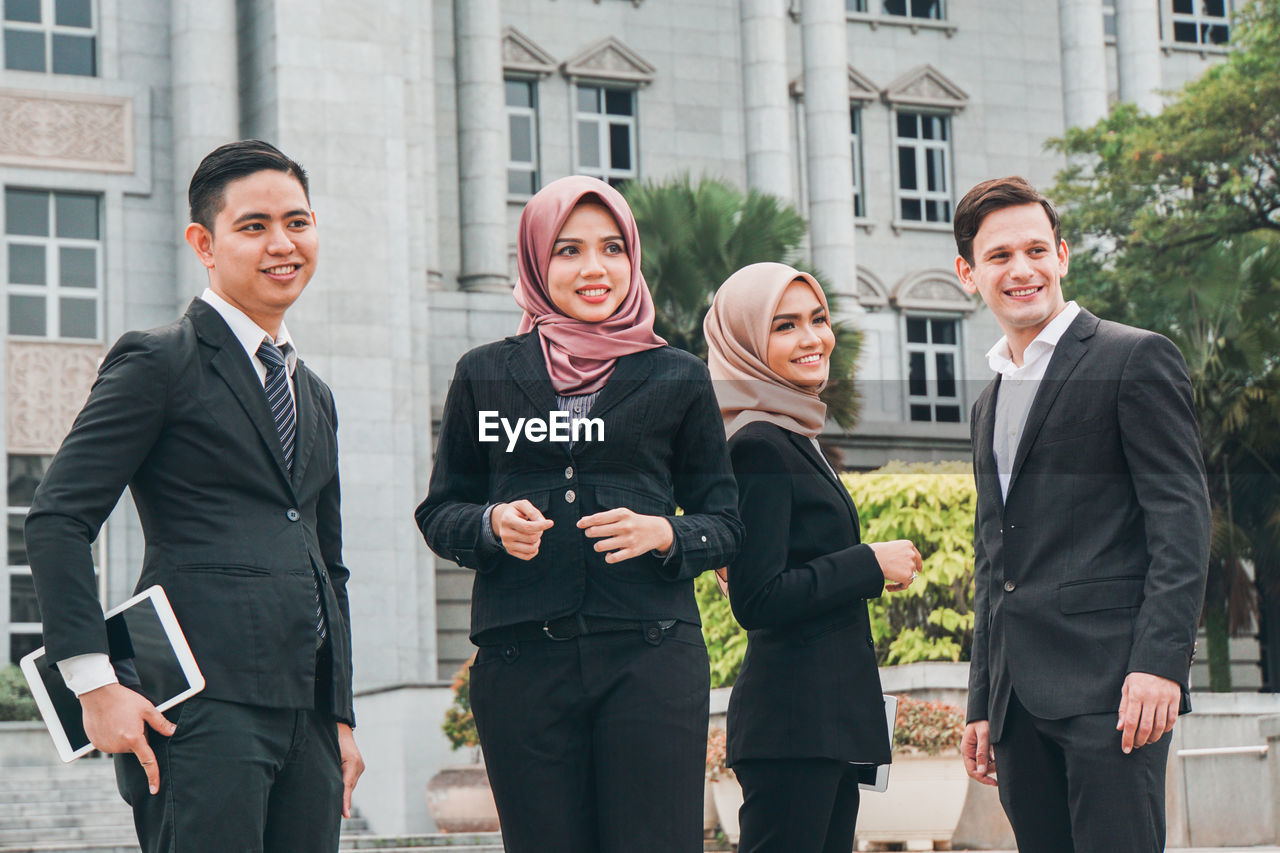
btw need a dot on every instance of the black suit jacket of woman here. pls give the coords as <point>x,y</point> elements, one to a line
<point>809,686</point>
<point>663,447</point>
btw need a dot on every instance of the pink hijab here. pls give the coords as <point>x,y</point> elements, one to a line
<point>580,356</point>
<point>737,331</point>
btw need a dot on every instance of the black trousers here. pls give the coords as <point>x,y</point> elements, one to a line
<point>799,805</point>
<point>1067,787</point>
<point>596,744</point>
<point>238,777</point>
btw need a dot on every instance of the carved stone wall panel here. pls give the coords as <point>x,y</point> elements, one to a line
<point>54,130</point>
<point>47,386</point>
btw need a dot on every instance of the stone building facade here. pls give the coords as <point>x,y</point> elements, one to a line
<point>425,125</point>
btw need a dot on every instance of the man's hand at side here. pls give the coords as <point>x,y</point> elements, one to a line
<point>352,765</point>
<point>1148,709</point>
<point>975,749</point>
<point>116,720</point>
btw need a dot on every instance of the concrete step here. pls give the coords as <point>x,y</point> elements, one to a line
<point>463,842</point>
<point>35,808</point>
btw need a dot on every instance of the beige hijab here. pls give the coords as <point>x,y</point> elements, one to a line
<point>737,332</point>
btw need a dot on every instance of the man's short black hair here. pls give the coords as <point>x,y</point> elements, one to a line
<point>230,162</point>
<point>988,197</point>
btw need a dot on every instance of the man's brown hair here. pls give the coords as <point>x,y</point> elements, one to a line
<point>988,197</point>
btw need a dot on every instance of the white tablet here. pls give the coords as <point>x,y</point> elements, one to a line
<point>149,653</point>
<point>881,781</point>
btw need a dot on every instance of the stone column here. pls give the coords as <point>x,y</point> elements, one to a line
<point>1138,53</point>
<point>1084,62</point>
<point>482,154</point>
<point>206,109</point>
<point>829,164</point>
<point>765,99</point>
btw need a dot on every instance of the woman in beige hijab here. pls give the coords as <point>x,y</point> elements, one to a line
<point>806,718</point>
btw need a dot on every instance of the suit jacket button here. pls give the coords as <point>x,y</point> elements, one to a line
<point>568,473</point>
<point>652,633</point>
<point>570,496</point>
<point>292,514</point>
<point>1010,586</point>
<point>871,644</point>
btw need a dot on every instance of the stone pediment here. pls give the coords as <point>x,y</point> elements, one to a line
<point>925,86</point>
<point>871,292</point>
<point>932,290</point>
<point>860,86</point>
<point>609,60</point>
<point>522,55</point>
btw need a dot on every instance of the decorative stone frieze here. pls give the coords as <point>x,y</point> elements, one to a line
<point>609,60</point>
<point>521,55</point>
<point>56,130</point>
<point>47,386</point>
<point>932,290</point>
<point>925,86</point>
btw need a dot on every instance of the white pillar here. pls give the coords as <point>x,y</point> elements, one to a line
<point>1138,53</point>
<point>765,99</point>
<point>482,154</point>
<point>830,165</point>
<point>206,109</point>
<point>1084,62</point>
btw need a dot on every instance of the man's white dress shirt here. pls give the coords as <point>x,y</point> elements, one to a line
<point>1018,386</point>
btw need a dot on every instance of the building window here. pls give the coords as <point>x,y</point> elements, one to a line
<point>522,137</point>
<point>924,167</point>
<point>606,123</point>
<point>931,9</point>
<point>1202,22</point>
<point>1109,19</point>
<point>25,473</point>
<point>855,153</point>
<point>933,364</point>
<point>57,36</point>
<point>855,5</point>
<point>54,245</point>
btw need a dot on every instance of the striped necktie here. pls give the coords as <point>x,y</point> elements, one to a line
<point>280,401</point>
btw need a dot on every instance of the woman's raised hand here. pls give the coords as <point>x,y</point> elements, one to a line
<point>519,526</point>
<point>900,562</point>
<point>624,534</point>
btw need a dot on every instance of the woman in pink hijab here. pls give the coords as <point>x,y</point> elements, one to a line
<point>563,454</point>
<point>806,719</point>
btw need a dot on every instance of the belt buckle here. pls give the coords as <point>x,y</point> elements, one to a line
<point>547,629</point>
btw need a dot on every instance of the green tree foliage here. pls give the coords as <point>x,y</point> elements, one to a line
<point>16,703</point>
<point>696,235</point>
<point>932,504</point>
<point>1174,220</point>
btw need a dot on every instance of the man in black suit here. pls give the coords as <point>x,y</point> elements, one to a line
<point>1090,545</point>
<point>227,442</point>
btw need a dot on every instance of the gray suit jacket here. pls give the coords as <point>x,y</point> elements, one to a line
<point>1095,565</point>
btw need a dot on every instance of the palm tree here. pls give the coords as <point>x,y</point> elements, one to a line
<point>696,236</point>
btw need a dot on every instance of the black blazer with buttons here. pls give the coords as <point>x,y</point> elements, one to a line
<point>178,415</point>
<point>663,447</point>
<point>1095,564</point>
<point>809,686</point>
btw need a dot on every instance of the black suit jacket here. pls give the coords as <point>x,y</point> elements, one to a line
<point>809,686</point>
<point>663,446</point>
<point>1095,565</point>
<point>178,414</point>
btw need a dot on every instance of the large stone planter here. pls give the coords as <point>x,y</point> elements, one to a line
<point>26,744</point>
<point>460,800</point>
<point>923,804</point>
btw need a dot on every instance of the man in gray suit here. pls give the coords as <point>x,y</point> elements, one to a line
<point>1090,544</point>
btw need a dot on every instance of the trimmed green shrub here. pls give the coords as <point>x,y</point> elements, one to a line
<point>16,703</point>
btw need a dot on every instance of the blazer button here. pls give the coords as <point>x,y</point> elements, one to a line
<point>568,473</point>
<point>652,633</point>
<point>871,644</point>
<point>704,539</point>
<point>570,496</point>
<point>1010,586</point>
<point>292,514</point>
